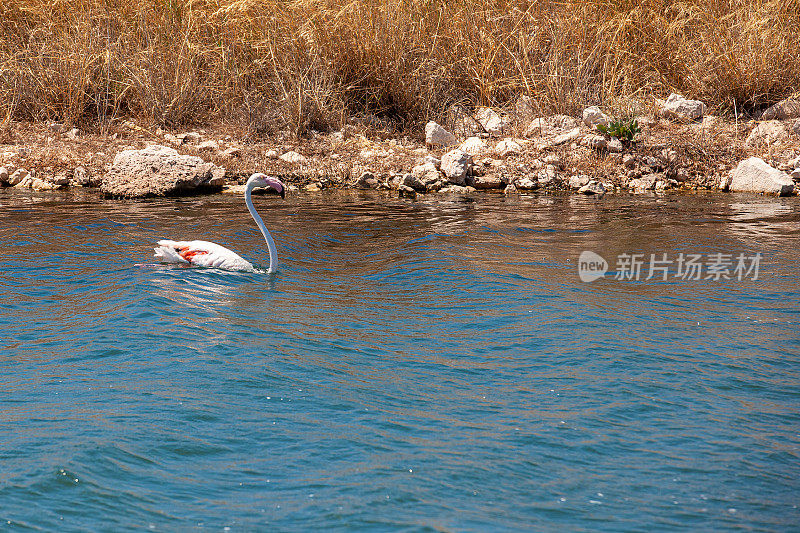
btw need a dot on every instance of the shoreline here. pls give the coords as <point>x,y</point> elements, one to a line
<point>667,155</point>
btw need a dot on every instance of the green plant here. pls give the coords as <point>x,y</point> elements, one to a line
<point>622,129</point>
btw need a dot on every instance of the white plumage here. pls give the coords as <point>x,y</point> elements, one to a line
<point>209,254</point>
<point>201,253</point>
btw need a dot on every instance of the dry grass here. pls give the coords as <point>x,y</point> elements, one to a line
<point>278,64</point>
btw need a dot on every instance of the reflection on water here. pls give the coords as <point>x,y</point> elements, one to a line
<point>433,364</point>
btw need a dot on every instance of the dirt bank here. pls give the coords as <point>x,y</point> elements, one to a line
<point>665,156</point>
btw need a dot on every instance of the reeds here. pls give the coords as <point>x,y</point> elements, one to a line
<point>311,63</point>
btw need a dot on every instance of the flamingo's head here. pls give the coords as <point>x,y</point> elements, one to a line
<point>262,180</point>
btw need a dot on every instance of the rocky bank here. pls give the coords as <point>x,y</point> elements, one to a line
<point>680,146</point>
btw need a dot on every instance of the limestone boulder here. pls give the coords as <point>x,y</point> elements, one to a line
<point>17,176</point>
<point>593,187</point>
<point>435,135</point>
<point>508,147</point>
<point>160,171</point>
<point>473,145</point>
<point>593,117</point>
<point>578,181</point>
<point>526,184</point>
<point>783,110</point>
<point>754,175</point>
<point>552,125</point>
<point>680,108</point>
<point>563,138</point>
<point>367,180</point>
<point>767,133</point>
<point>490,120</point>
<point>456,164</point>
<point>488,182</point>
<point>423,177</point>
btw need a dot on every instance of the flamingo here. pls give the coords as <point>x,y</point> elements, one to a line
<point>209,254</point>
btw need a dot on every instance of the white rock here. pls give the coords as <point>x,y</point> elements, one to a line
<point>766,133</point>
<point>596,142</point>
<point>593,187</point>
<point>172,139</point>
<point>783,110</point>
<point>433,159</point>
<point>510,189</point>
<point>159,171</point>
<point>645,183</point>
<point>592,117</point>
<point>435,135</point>
<point>547,175</point>
<point>754,175</point>
<point>526,184</point>
<point>456,189</point>
<point>508,146</point>
<point>80,177</point>
<point>73,134</point>
<point>552,125</point>
<point>232,151</point>
<point>212,146</point>
<point>490,120</point>
<point>271,154</point>
<point>552,159</point>
<point>190,138</point>
<point>796,127</point>
<point>423,177</point>
<point>38,184</point>
<point>576,182</point>
<point>456,164</point>
<point>566,137</point>
<point>293,157</point>
<point>367,180</point>
<point>614,145</point>
<point>473,145</point>
<point>18,175</point>
<point>405,190</point>
<point>676,106</point>
<point>488,182</point>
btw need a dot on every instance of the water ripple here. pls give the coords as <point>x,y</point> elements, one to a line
<point>412,365</point>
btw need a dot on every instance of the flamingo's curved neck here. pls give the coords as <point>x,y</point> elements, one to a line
<point>273,253</point>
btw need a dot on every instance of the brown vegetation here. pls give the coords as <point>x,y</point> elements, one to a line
<point>272,64</point>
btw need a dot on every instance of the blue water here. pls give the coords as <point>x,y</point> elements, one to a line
<point>419,366</point>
